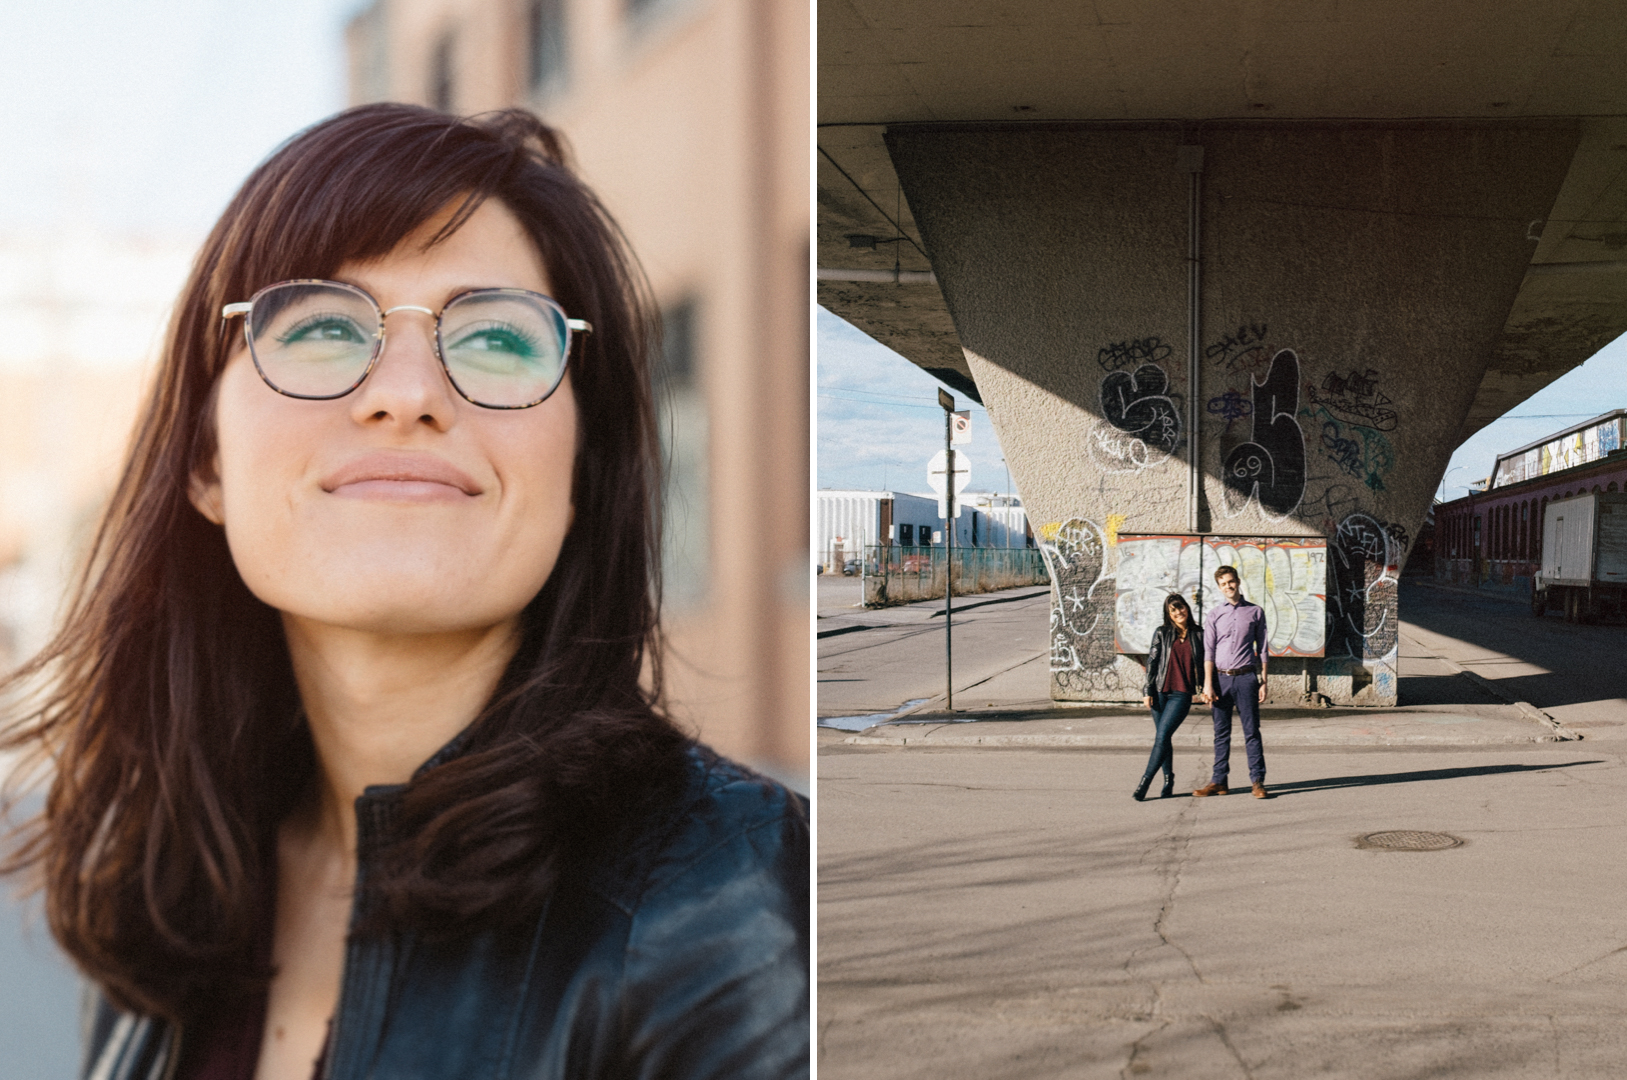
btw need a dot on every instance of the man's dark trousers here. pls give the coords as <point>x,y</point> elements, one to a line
<point>1244,692</point>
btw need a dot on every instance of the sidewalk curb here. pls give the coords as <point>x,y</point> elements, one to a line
<point>1112,742</point>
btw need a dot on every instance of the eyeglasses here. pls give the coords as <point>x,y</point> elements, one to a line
<point>500,348</point>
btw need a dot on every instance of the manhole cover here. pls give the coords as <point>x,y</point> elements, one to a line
<point>1408,840</point>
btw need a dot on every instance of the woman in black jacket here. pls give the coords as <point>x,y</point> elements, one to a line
<point>1174,676</point>
<point>358,760</point>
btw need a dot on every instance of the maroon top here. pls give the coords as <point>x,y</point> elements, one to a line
<point>1181,676</point>
<point>229,1048</point>
<point>226,1046</point>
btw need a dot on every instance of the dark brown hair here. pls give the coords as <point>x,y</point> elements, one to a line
<point>1172,600</point>
<point>166,701</point>
<point>1232,570</point>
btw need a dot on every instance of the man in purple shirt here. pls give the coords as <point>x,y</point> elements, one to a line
<point>1234,659</point>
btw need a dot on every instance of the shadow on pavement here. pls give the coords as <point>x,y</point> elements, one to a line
<point>1442,690</point>
<point>1305,787</point>
<point>1580,660</point>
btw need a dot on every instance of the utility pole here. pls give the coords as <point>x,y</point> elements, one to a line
<point>948,402</point>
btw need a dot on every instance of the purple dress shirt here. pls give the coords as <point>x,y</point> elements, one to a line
<point>1234,635</point>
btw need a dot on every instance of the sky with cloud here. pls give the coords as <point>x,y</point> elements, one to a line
<point>879,421</point>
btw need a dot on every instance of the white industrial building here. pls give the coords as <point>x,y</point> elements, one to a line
<point>846,522</point>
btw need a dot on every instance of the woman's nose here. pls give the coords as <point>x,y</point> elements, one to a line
<point>407,384</point>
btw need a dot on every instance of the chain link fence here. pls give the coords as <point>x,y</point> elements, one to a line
<point>894,574</point>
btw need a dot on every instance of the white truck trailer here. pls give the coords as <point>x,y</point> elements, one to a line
<point>1584,558</point>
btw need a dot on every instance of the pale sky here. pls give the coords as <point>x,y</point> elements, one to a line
<point>878,416</point>
<point>144,115</point>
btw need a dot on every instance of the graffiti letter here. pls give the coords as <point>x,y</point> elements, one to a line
<point>1136,403</point>
<point>1082,655</point>
<point>1363,609</point>
<point>1271,468</point>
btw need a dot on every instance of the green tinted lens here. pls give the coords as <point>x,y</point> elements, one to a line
<point>504,348</point>
<point>313,340</point>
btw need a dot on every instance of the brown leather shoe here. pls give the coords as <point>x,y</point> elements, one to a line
<point>1260,792</point>
<point>1209,789</point>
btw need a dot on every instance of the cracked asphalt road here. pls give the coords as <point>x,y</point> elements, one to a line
<point>1006,913</point>
<point>1012,913</point>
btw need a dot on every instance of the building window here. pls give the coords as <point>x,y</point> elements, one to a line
<point>906,535</point>
<point>441,94</point>
<point>546,37</point>
<point>686,534</point>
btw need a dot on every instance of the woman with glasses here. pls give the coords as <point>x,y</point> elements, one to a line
<point>1174,677</point>
<point>358,761</point>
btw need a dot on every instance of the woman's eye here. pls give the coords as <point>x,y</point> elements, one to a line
<point>325,329</point>
<point>505,341</point>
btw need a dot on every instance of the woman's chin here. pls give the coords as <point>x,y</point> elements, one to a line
<point>427,610</point>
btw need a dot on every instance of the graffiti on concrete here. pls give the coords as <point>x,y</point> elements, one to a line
<point>1286,577</point>
<point>1269,469</point>
<point>1231,407</point>
<point>1121,354</point>
<point>1362,611</point>
<point>1140,422</point>
<point>1243,350</point>
<point>1115,451</point>
<point>1138,403</point>
<point>1082,656</point>
<point>1398,533</point>
<point>1355,399</point>
<point>1337,502</point>
<point>1362,452</point>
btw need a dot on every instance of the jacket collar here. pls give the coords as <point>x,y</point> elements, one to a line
<point>378,805</point>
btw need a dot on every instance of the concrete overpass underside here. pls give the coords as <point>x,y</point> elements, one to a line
<point>1406,218</point>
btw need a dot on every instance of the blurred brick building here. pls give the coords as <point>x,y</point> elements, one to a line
<point>690,119</point>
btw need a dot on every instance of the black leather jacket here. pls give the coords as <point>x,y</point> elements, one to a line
<point>1158,654</point>
<point>684,956</point>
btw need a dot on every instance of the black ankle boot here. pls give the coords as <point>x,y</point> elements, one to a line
<point>1169,787</point>
<point>1140,792</point>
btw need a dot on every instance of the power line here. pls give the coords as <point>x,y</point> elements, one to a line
<point>880,404</point>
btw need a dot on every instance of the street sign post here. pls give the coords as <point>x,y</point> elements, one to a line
<point>952,485</point>
<point>937,471</point>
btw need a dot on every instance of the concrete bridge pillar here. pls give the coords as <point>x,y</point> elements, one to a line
<point>1354,278</point>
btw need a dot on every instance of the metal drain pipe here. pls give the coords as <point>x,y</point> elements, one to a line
<point>1190,159</point>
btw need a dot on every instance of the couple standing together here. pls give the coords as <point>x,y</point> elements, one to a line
<point>1233,657</point>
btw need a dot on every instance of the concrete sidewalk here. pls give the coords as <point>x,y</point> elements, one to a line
<point>1122,728</point>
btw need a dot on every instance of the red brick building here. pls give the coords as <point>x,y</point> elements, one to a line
<point>1494,537</point>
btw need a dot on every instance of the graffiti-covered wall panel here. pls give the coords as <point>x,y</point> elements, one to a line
<point>1288,578</point>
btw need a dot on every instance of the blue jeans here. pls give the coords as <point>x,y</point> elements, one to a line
<point>1242,691</point>
<point>1168,710</point>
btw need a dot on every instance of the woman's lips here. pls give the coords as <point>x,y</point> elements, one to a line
<point>401,477</point>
